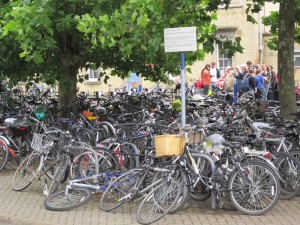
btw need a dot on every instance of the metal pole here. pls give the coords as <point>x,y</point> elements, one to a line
<point>235,93</point>
<point>182,62</point>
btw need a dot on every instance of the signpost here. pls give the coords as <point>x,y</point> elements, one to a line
<point>181,39</point>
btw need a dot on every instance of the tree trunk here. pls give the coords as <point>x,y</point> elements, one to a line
<point>69,61</point>
<point>286,78</point>
<point>67,90</point>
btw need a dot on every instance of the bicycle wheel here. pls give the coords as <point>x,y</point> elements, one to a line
<point>108,162</point>
<point>126,160</point>
<point>289,169</point>
<point>205,166</point>
<point>107,127</point>
<point>84,165</point>
<point>62,201</point>
<point>180,176</point>
<point>59,176</point>
<point>119,189</point>
<point>50,166</point>
<point>3,154</point>
<point>86,135</point>
<point>255,190</point>
<point>159,201</point>
<point>27,172</point>
<point>296,154</point>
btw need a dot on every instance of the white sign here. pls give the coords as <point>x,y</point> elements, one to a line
<point>181,39</point>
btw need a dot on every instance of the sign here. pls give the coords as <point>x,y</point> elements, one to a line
<point>181,39</point>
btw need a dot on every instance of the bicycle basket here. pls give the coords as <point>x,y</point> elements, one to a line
<point>169,145</point>
<point>196,137</point>
<point>40,142</point>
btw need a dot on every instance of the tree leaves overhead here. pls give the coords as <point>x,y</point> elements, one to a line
<point>272,20</point>
<point>54,37</point>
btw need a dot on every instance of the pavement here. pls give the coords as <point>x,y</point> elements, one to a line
<point>27,208</point>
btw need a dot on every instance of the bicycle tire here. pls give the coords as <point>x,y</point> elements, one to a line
<point>113,196</point>
<point>60,201</point>
<point>108,163</point>
<point>107,126</point>
<point>205,165</point>
<point>128,161</point>
<point>4,154</point>
<point>296,154</point>
<point>159,201</point>
<point>86,135</point>
<point>59,176</point>
<point>50,166</point>
<point>181,176</point>
<point>258,197</point>
<point>84,165</point>
<point>27,172</point>
<point>289,168</point>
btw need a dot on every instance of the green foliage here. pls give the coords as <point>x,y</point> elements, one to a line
<point>53,38</point>
<point>272,20</point>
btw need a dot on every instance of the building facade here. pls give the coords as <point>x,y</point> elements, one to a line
<point>231,23</point>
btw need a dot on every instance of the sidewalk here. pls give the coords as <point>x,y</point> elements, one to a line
<point>27,208</point>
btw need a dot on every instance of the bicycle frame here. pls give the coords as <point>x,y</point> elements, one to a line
<point>281,142</point>
<point>79,181</point>
<point>115,147</point>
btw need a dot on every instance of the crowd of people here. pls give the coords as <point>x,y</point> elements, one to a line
<point>260,79</point>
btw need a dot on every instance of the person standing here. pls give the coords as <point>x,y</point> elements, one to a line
<point>205,77</point>
<point>228,85</point>
<point>229,81</point>
<point>267,78</point>
<point>239,73</point>
<point>214,76</point>
<point>272,78</point>
<point>249,64</point>
<point>221,80</point>
<point>260,83</point>
<point>249,83</point>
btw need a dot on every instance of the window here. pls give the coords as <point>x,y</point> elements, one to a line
<point>223,59</point>
<point>234,4</point>
<point>297,59</point>
<point>93,75</point>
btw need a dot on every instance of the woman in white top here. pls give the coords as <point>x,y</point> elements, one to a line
<point>214,75</point>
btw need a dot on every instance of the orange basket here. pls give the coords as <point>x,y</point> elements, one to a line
<point>86,114</point>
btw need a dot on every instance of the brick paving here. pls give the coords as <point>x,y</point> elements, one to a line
<point>27,208</point>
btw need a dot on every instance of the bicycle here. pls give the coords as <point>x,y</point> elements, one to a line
<point>159,196</point>
<point>253,186</point>
<point>287,165</point>
<point>82,166</point>
<point>78,190</point>
<point>32,168</point>
<point>15,139</point>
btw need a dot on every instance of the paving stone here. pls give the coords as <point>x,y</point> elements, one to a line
<point>27,208</point>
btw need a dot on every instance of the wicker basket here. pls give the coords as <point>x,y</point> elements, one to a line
<point>196,137</point>
<point>169,145</point>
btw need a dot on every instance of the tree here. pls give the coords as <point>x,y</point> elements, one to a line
<point>52,39</point>
<point>282,26</point>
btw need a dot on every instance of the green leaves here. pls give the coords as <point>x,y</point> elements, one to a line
<point>123,35</point>
<point>143,20</point>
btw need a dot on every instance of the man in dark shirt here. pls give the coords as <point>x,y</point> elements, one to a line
<point>252,82</point>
